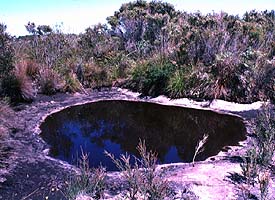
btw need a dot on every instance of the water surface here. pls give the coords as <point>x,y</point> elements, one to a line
<point>116,126</point>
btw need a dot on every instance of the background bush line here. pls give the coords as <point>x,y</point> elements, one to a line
<point>148,47</point>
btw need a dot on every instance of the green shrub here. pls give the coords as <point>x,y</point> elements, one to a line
<point>9,86</point>
<point>266,81</point>
<point>151,78</point>
<point>249,166</point>
<point>6,52</point>
<point>265,140</point>
<point>72,84</point>
<point>177,84</point>
<point>259,159</point>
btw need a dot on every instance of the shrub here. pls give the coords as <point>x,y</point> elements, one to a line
<point>72,84</point>
<point>25,84</point>
<point>49,81</point>
<point>177,85</point>
<point>18,86</point>
<point>264,180</point>
<point>94,75</point>
<point>143,179</point>
<point>32,69</point>
<point>265,139</point>
<point>249,166</point>
<point>131,174</point>
<point>90,182</point>
<point>230,80</point>
<point>151,77</point>
<point>7,81</point>
<point>266,81</point>
<point>260,157</point>
<point>6,52</point>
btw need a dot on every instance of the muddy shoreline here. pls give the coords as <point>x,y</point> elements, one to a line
<point>34,175</point>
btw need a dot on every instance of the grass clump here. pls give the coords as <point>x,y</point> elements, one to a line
<point>258,160</point>
<point>177,85</point>
<point>143,179</point>
<point>90,182</point>
<point>49,81</point>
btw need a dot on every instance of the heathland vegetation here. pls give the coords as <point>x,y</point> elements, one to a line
<point>152,48</point>
<point>149,47</point>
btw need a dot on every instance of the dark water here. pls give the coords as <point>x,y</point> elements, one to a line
<point>116,126</point>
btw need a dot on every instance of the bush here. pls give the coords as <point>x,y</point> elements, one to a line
<point>265,139</point>
<point>6,52</point>
<point>266,81</point>
<point>7,81</point>
<point>72,84</point>
<point>49,81</point>
<point>177,85</point>
<point>18,87</point>
<point>95,76</point>
<point>26,88</point>
<point>32,68</point>
<point>89,182</point>
<point>151,77</point>
<point>143,179</point>
<point>259,159</point>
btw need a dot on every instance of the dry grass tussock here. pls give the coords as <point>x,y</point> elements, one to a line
<point>24,82</point>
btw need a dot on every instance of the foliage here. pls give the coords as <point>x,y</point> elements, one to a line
<point>177,85</point>
<point>265,139</point>
<point>259,159</point>
<point>90,181</point>
<point>264,180</point>
<point>94,76</point>
<point>143,179</point>
<point>151,77</point>
<point>72,84</point>
<point>141,26</point>
<point>159,50</point>
<point>6,52</point>
<point>49,82</point>
<point>250,166</point>
<point>6,63</point>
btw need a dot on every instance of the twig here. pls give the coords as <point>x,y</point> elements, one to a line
<point>30,194</point>
<point>199,147</point>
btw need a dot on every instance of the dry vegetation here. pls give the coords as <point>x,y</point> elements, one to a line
<point>149,47</point>
<point>154,49</point>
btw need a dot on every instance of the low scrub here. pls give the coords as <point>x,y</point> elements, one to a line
<point>49,81</point>
<point>90,182</point>
<point>143,179</point>
<point>259,160</point>
<point>151,77</point>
